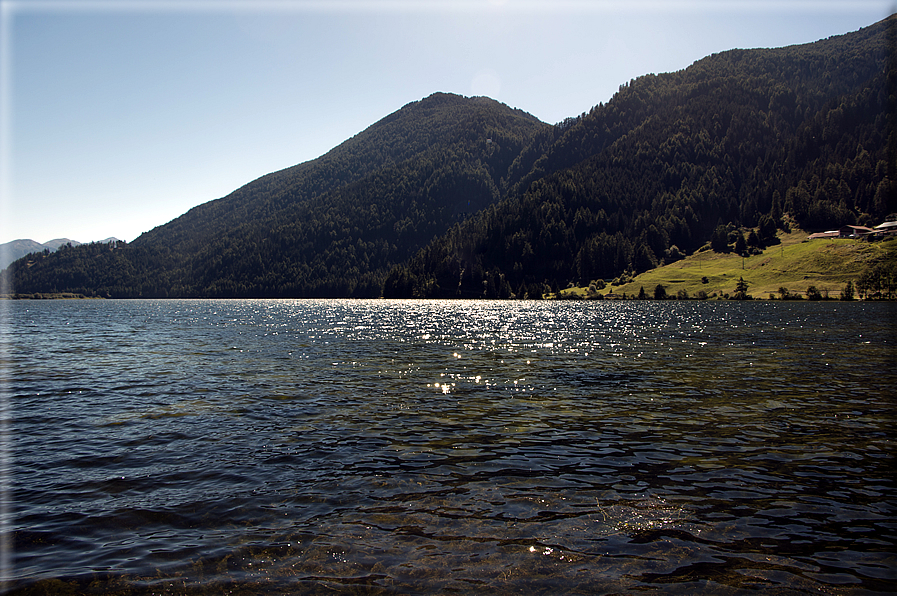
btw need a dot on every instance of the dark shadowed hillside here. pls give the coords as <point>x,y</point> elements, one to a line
<point>465,197</point>
<point>742,137</point>
<point>329,227</point>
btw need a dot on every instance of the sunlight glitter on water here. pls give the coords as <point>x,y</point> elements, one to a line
<point>424,446</point>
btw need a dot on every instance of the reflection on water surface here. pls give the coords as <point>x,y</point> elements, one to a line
<point>426,446</point>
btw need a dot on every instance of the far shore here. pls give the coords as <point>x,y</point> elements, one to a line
<point>47,296</point>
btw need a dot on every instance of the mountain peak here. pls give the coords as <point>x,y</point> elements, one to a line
<point>465,196</point>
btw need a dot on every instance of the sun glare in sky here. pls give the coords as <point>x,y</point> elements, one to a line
<point>119,116</point>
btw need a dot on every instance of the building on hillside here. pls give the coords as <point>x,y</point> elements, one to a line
<point>888,228</point>
<point>818,235</point>
<point>843,232</point>
<point>854,231</point>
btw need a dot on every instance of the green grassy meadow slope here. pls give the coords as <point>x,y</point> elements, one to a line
<point>796,263</point>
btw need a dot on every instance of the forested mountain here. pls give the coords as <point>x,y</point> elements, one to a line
<point>333,226</point>
<point>11,251</point>
<point>453,196</point>
<point>742,137</point>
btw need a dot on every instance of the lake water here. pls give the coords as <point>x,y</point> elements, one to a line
<point>411,447</point>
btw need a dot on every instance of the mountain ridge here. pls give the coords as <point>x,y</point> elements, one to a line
<point>740,148</point>
<point>466,197</point>
<point>357,149</point>
<point>16,249</point>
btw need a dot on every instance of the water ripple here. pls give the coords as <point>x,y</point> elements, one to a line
<point>425,446</point>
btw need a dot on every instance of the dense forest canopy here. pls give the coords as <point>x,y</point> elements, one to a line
<point>465,197</point>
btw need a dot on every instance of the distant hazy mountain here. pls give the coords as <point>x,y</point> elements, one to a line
<point>12,251</point>
<point>465,197</point>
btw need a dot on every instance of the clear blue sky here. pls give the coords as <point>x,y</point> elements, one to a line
<point>118,116</point>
